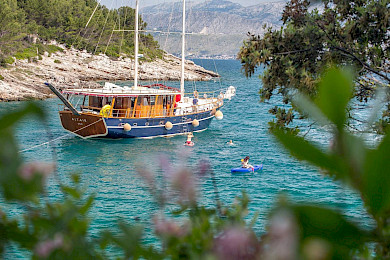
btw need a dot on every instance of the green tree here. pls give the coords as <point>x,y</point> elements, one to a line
<point>343,32</point>
<point>11,26</point>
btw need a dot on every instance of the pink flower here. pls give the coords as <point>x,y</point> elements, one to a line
<point>168,228</point>
<point>164,163</point>
<point>29,170</point>
<point>204,167</point>
<point>45,248</point>
<point>236,243</point>
<point>183,181</point>
<point>147,176</point>
<point>282,237</point>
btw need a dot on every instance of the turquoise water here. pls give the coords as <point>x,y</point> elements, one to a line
<point>107,166</point>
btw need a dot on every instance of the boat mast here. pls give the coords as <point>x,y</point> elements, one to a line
<point>183,50</point>
<point>136,46</point>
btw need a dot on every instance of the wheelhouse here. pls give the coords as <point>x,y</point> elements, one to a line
<point>151,101</point>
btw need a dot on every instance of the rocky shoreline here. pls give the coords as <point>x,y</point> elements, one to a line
<point>72,68</point>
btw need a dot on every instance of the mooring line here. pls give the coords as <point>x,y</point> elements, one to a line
<point>48,142</point>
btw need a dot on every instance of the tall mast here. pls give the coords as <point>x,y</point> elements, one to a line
<point>136,46</point>
<point>183,49</point>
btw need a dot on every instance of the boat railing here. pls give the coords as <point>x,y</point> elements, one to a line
<point>159,112</point>
<point>155,111</point>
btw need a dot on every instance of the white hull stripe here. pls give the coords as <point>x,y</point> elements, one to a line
<point>183,123</point>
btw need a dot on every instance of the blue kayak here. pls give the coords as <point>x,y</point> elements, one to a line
<point>255,168</point>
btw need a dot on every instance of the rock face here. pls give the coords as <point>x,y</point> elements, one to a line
<point>73,69</point>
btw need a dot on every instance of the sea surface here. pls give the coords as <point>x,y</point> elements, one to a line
<point>107,167</point>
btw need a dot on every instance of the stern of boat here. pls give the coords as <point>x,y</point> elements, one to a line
<point>84,125</point>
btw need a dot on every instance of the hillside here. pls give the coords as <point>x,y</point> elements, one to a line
<point>27,24</point>
<point>48,41</point>
<point>223,24</point>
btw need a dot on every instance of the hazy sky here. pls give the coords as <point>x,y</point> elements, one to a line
<point>117,3</point>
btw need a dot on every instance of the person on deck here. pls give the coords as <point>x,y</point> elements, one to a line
<point>245,163</point>
<point>195,101</point>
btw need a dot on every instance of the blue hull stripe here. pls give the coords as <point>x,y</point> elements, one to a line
<point>155,127</point>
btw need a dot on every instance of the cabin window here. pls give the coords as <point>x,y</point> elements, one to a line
<point>152,100</point>
<point>95,101</point>
<point>99,102</point>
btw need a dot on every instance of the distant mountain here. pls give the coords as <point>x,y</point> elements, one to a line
<point>217,20</point>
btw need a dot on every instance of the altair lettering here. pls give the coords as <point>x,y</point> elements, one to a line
<point>79,119</point>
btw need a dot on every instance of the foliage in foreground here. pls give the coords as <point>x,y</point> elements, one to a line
<point>353,33</point>
<point>60,230</point>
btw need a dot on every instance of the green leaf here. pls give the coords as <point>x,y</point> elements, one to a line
<point>10,119</point>
<point>303,103</point>
<point>376,178</point>
<point>73,192</point>
<point>335,91</point>
<point>303,150</point>
<point>84,209</point>
<point>331,226</point>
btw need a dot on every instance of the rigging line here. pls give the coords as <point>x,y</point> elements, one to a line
<point>163,32</point>
<point>104,27</point>
<point>113,28</point>
<point>94,27</point>
<point>123,33</point>
<point>109,39</point>
<point>119,26</point>
<point>53,151</point>
<point>93,13</point>
<point>169,26</point>
<point>48,142</point>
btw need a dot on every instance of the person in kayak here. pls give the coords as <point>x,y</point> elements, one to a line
<point>245,163</point>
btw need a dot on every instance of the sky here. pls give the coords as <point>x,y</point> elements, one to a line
<point>118,3</point>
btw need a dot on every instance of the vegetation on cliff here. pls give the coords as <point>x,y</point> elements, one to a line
<point>27,24</point>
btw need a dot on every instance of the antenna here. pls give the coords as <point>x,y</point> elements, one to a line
<point>183,45</point>
<point>136,46</point>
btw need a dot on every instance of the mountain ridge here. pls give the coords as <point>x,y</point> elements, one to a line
<point>214,19</point>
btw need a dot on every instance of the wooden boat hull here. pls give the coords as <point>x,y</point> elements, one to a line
<point>84,125</point>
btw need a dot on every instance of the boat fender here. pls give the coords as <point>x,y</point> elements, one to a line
<point>219,115</point>
<point>168,125</point>
<point>127,127</point>
<point>195,123</point>
<point>105,111</point>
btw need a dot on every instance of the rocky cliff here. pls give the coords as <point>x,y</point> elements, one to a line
<point>72,68</point>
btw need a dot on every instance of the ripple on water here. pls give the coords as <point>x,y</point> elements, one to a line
<point>107,167</point>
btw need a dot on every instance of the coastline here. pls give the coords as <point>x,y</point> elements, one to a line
<point>72,68</point>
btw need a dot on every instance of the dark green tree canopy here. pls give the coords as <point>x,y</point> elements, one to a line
<point>354,33</point>
<point>65,21</point>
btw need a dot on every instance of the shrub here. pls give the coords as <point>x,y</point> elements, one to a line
<point>53,48</point>
<point>26,53</point>
<point>1,77</point>
<point>57,61</point>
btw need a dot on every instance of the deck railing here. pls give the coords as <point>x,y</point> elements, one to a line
<point>153,111</point>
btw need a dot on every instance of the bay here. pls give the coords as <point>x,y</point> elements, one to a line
<point>107,167</point>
